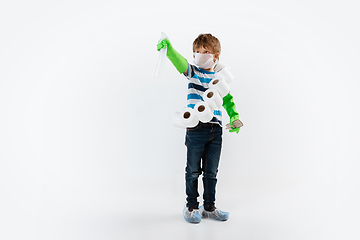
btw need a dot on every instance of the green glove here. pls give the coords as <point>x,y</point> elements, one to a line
<point>229,106</point>
<point>235,127</point>
<point>177,60</point>
<point>234,130</point>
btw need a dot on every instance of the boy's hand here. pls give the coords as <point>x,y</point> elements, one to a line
<point>180,63</point>
<point>235,126</point>
<point>164,44</point>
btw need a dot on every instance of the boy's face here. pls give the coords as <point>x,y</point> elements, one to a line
<point>206,50</point>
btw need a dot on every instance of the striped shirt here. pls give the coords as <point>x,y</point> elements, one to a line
<point>199,80</point>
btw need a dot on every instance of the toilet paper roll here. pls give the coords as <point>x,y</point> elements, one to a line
<point>212,97</point>
<point>219,66</point>
<point>188,117</point>
<point>177,121</point>
<point>203,112</point>
<point>220,85</point>
<point>225,73</point>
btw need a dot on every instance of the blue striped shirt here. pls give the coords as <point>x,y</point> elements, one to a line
<point>199,80</point>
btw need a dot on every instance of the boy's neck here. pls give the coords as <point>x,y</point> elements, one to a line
<point>209,69</point>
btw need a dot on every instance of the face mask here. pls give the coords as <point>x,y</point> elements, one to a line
<point>204,61</point>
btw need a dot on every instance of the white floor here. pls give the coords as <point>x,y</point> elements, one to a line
<point>254,214</point>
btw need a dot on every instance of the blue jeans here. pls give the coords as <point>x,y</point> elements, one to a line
<point>203,155</point>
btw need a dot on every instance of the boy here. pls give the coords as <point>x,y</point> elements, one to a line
<point>204,140</point>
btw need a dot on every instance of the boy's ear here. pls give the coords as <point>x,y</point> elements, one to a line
<point>217,55</point>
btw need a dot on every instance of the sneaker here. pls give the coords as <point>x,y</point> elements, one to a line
<point>192,214</point>
<point>214,213</point>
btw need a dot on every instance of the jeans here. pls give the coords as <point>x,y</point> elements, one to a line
<point>203,155</point>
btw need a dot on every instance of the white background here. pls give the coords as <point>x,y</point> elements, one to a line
<point>87,147</point>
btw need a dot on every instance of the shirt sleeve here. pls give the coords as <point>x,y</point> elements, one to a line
<point>190,73</point>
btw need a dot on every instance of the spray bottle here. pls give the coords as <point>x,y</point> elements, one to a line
<point>162,55</point>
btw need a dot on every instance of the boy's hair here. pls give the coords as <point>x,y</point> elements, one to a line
<point>207,41</point>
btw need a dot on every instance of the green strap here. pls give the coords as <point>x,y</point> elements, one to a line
<point>177,60</point>
<point>229,105</point>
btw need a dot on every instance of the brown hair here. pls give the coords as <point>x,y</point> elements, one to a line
<point>207,41</point>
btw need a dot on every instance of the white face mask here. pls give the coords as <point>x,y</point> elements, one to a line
<point>204,61</point>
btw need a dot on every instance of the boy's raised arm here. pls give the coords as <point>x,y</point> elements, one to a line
<point>177,60</point>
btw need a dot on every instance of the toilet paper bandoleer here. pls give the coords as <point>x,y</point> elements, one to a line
<point>208,88</point>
